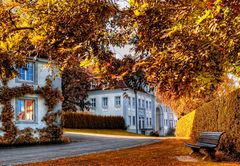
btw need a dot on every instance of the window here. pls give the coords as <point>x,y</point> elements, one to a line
<point>147,88</point>
<point>27,74</point>
<point>166,122</point>
<point>150,105</point>
<point>93,84</point>
<point>133,102</point>
<point>129,101</point>
<point>25,110</point>
<point>139,103</point>
<point>150,121</point>
<point>117,101</point>
<point>147,121</point>
<point>129,120</point>
<point>170,123</point>
<point>147,104</point>
<point>104,102</point>
<point>134,122</point>
<point>93,103</point>
<point>143,104</point>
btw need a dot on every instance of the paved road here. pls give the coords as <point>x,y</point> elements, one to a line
<point>81,144</point>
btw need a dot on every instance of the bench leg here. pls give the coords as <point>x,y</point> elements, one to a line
<point>194,150</point>
<point>209,153</point>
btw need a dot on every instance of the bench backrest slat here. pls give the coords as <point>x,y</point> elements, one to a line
<point>209,138</point>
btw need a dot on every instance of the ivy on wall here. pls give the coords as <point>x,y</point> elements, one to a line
<point>53,130</point>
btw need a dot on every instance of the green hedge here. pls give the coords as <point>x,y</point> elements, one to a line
<point>88,121</point>
<point>222,114</point>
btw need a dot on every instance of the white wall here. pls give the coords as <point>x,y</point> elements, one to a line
<point>111,109</point>
<point>126,110</point>
<point>168,119</point>
<point>42,73</point>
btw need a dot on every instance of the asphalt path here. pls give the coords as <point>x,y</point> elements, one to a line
<point>81,144</point>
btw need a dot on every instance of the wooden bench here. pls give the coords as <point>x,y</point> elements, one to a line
<point>207,141</point>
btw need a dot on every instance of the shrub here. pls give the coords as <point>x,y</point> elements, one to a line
<point>221,114</point>
<point>87,121</point>
<point>155,133</point>
<point>170,132</point>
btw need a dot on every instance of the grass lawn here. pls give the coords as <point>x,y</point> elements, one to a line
<point>103,131</point>
<point>162,153</point>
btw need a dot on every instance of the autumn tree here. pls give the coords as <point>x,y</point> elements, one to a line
<point>191,45</point>
<point>75,85</point>
<point>67,30</point>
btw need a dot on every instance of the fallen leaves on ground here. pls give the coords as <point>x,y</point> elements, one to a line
<point>163,153</point>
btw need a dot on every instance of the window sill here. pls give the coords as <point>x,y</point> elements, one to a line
<point>17,80</point>
<point>26,122</point>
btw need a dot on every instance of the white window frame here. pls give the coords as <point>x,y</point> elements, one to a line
<point>18,79</point>
<point>103,104</point>
<point>129,120</point>
<point>93,84</point>
<point>26,73</point>
<point>129,102</point>
<point>35,113</point>
<point>93,103</point>
<point>143,103</point>
<point>117,101</point>
<point>139,103</point>
<point>134,120</point>
<point>133,102</point>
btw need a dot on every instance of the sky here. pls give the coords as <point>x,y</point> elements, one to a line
<point>123,3</point>
<point>120,52</point>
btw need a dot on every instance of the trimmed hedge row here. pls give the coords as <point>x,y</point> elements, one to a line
<point>185,124</point>
<point>88,121</point>
<point>222,114</point>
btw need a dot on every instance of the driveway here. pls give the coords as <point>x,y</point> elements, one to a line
<point>81,144</point>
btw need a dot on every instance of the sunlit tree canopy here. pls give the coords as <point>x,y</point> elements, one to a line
<point>191,45</point>
<point>67,30</point>
<point>185,48</point>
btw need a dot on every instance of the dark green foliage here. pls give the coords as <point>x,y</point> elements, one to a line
<point>87,121</point>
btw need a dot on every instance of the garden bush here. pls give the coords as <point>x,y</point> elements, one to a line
<point>171,132</point>
<point>87,121</point>
<point>221,114</point>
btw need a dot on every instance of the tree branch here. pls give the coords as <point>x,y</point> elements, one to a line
<point>13,23</point>
<point>23,28</point>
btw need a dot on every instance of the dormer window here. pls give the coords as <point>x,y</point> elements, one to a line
<point>93,84</point>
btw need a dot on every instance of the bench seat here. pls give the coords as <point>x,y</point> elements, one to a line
<point>208,141</point>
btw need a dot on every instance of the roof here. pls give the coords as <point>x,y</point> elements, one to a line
<point>111,85</point>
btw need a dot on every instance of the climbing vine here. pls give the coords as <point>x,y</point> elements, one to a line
<point>53,130</point>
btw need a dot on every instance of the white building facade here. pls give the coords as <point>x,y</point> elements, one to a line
<point>124,102</point>
<point>166,120</point>
<point>30,109</point>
